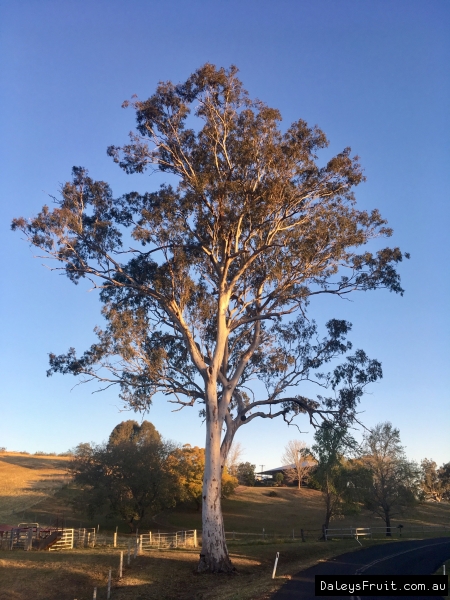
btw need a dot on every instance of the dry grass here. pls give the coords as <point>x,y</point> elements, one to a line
<point>160,575</point>
<point>26,480</point>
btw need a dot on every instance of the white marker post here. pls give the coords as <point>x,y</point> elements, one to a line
<point>121,564</point>
<point>275,565</point>
<point>108,592</point>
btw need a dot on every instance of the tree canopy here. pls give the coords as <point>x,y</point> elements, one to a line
<point>298,456</point>
<point>205,283</point>
<point>394,479</point>
<point>131,431</point>
<point>131,476</point>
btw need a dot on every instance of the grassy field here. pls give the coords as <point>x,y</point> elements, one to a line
<point>26,480</point>
<point>160,575</point>
<point>251,509</point>
<point>167,575</point>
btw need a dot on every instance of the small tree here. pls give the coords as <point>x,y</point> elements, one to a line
<point>205,285</point>
<point>234,458</point>
<point>188,465</point>
<point>394,479</point>
<point>297,455</point>
<point>444,480</point>
<point>434,482</point>
<point>336,476</point>
<point>246,473</point>
<point>279,478</point>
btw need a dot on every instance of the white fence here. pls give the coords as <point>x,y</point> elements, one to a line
<point>354,532</point>
<point>141,542</point>
<point>179,539</point>
<point>65,542</point>
<point>85,537</point>
<point>39,538</point>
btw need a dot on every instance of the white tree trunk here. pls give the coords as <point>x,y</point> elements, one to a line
<point>214,554</point>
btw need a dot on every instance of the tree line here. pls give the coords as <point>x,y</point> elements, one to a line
<point>375,475</point>
<point>137,473</point>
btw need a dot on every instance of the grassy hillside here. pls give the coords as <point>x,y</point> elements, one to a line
<point>251,509</point>
<point>32,490</point>
<point>26,480</point>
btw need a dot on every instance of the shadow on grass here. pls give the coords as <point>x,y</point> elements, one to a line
<point>34,462</point>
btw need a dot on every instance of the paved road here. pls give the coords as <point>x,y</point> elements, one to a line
<point>418,557</point>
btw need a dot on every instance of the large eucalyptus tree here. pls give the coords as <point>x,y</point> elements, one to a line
<point>205,282</point>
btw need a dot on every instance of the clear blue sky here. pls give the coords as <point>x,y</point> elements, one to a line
<point>373,74</point>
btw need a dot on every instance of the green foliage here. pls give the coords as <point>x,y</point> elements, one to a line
<point>131,431</point>
<point>188,464</point>
<point>130,476</point>
<point>246,473</point>
<point>340,479</point>
<point>434,482</point>
<point>279,478</point>
<point>394,484</point>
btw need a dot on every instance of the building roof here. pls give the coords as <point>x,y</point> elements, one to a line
<point>285,468</point>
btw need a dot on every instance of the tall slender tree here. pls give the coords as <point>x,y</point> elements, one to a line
<point>205,282</point>
<point>394,482</point>
<point>332,447</point>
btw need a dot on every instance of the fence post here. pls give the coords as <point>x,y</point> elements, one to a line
<point>128,557</point>
<point>30,539</point>
<point>135,547</point>
<point>176,539</point>
<point>94,597</point>
<point>121,564</point>
<point>108,592</point>
<point>275,565</point>
<point>140,544</point>
<point>195,538</point>
<point>115,539</point>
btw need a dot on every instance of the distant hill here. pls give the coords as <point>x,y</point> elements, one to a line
<point>26,479</point>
